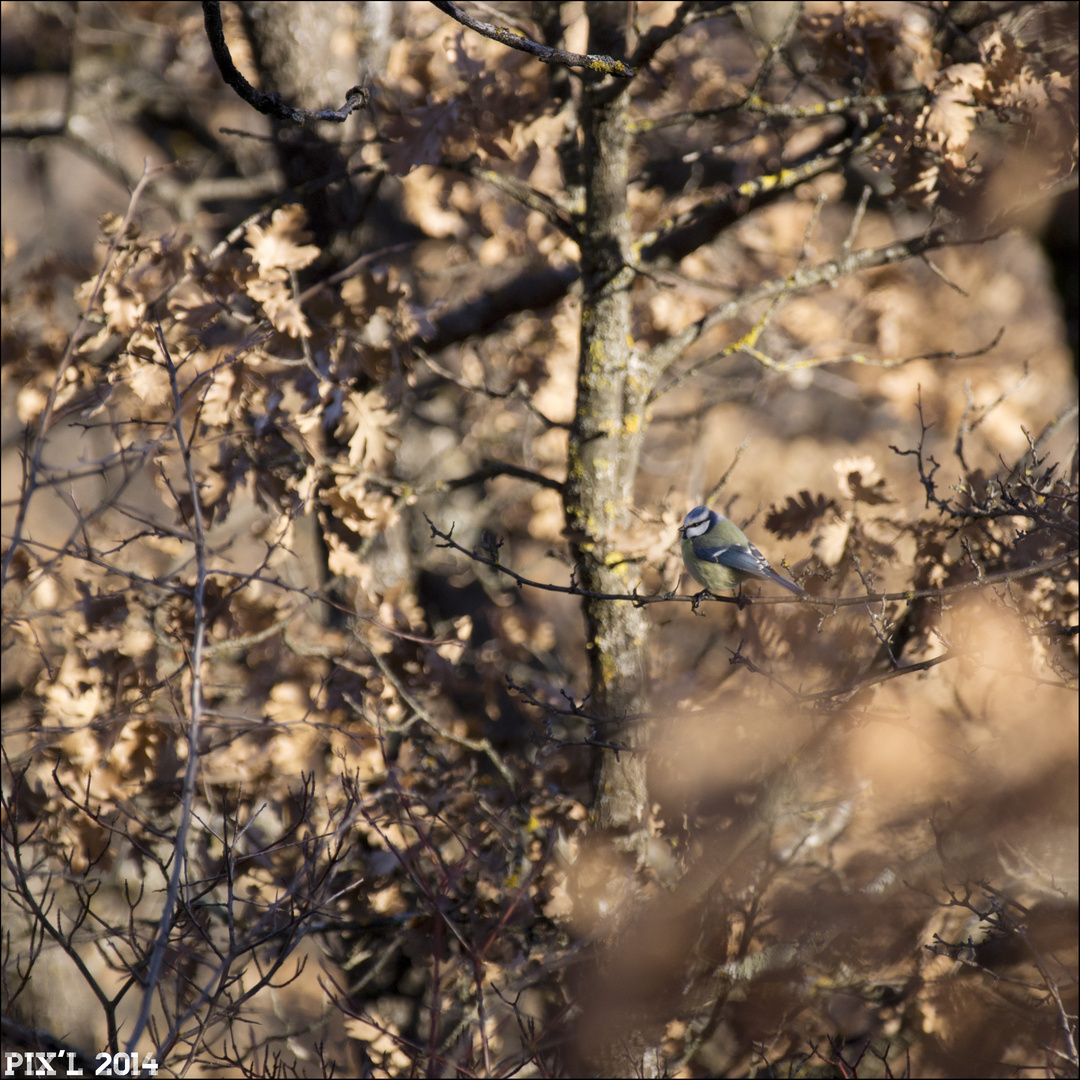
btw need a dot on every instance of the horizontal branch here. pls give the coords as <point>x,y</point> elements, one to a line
<point>696,599</point>
<point>531,290</point>
<point>492,469</point>
<point>755,106</point>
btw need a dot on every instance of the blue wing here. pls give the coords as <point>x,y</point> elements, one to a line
<point>737,556</point>
<point>746,560</point>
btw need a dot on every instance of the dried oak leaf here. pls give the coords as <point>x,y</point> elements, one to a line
<point>799,515</point>
<point>282,242</point>
<point>953,112</point>
<point>281,309</point>
<point>367,423</point>
<point>124,308</point>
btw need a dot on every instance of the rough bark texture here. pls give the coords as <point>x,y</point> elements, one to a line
<point>605,439</point>
<point>605,444</point>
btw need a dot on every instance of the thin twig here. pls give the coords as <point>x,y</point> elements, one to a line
<point>195,699</point>
<point>477,746</point>
<point>32,462</point>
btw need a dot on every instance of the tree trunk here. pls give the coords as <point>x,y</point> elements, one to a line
<point>605,442</point>
<point>300,50</point>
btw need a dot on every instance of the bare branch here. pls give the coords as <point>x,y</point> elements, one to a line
<point>754,106</point>
<point>32,462</point>
<point>157,957</point>
<point>603,65</point>
<point>269,104</point>
<point>480,746</point>
<point>520,192</point>
<point>663,356</point>
<point>833,604</point>
<point>686,14</point>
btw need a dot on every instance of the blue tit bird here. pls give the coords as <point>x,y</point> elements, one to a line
<point>719,556</point>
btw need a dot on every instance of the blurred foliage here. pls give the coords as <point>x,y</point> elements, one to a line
<point>865,815</point>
